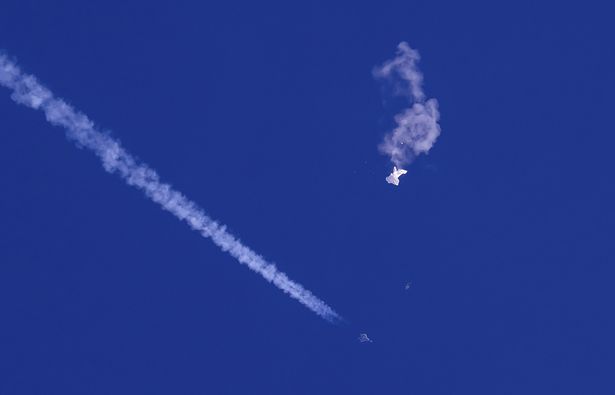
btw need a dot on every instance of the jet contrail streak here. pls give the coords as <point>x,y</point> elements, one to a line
<point>115,159</point>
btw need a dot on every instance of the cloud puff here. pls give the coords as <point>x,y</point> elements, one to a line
<point>417,126</point>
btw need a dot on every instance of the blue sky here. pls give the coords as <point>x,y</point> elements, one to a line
<point>267,116</point>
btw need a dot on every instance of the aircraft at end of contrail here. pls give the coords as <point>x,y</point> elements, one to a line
<point>28,91</point>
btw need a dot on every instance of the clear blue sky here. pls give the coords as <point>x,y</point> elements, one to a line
<point>267,115</point>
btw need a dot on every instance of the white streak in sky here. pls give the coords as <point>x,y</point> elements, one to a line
<point>417,127</point>
<point>115,159</point>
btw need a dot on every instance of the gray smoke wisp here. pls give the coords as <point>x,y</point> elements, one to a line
<point>417,127</point>
<point>115,159</point>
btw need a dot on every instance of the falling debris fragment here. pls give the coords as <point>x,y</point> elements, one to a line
<point>363,338</point>
<point>393,178</point>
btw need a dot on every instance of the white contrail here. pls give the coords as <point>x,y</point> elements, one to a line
<point>417,127</point>
<point>115,159</point>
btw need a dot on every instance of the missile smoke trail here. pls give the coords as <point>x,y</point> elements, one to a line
<point>115,159</point>
<point>417,127</point>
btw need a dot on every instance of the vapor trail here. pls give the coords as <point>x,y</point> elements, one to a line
<point>115,159</point>
<point>417,127</point>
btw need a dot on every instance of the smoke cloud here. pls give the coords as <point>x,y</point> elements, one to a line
<point>417,126</point>
<point>115,159</point>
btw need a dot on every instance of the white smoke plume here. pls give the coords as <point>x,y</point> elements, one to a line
<point>417,127</point>
<point>115,159</point>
